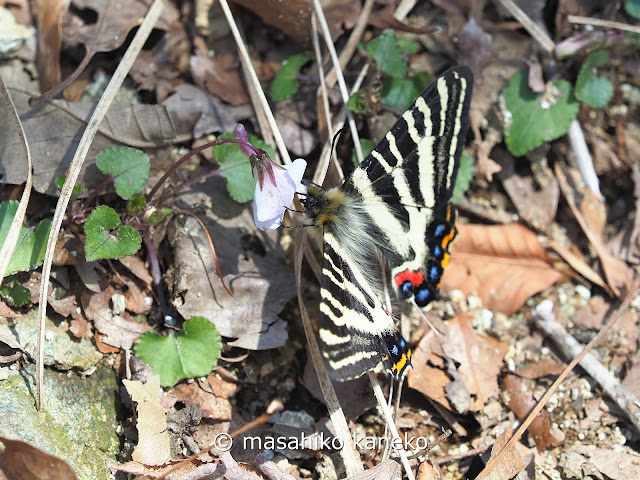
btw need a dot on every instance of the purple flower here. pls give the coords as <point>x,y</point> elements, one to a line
<point>275,193</point>
<point>275,185</point>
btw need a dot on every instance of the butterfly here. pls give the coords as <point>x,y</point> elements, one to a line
<point>394,210</point>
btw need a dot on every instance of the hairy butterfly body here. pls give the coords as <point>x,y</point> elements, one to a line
<point>393,210</point>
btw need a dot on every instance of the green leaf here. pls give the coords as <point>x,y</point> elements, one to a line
<point>157,216</point>
<point>128,166</point>
<point>32,242</point>
<point>534,120</point>
<point>591,89</point>
<point>388,54</point>
<point>357,103</point>
<point>400,93</point>
<point>632,7</point>
<point>465,174</point>
<point>236,169</point>
<point>367,147</point>
<point>75,191</point>
<point>107,237</point>
<point>285,83</point>
<point>136,203</point>
<point>190,353</point>
<point>15,292</point>
<point>408,45</point>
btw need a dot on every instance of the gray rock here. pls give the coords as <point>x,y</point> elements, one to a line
<point>78,423</point>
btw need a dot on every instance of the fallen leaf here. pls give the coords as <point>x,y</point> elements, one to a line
<point>521,402</point>
<point>580,460</point>
<point>56,130</point>
<point>117,330</point>
<point>503,265</point>
<point>260,283</point>
<point>503,465</point>
<point>476,46</point>
<point>196,113</point>
<point>220,77</point>
<point>153,446</point>
<point>48,18</point>
<point>539,369</point>
<point>536,202</point>
<point>21,461</point>
<point>211,407</point>
<point>479,359</point>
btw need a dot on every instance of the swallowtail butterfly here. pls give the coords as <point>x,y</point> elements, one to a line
<point>395,209</point>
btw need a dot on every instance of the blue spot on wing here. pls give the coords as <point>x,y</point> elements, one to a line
<point>433,273</point>
<point>439,230</point>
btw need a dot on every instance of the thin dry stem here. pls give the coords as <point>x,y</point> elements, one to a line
<point>246,60</point>
<point>598,22</point>
<point>119,75</point>
<point>11,240</point>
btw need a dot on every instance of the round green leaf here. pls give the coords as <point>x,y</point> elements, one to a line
<point>285,83</point>
<point>190,353</point>
<point>128,166</point>
<point>591,89</point>
<point>388,54</point>
<point>107,237</point>
<point>532,120</point>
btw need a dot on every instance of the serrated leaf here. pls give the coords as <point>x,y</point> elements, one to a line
<point>31,244</point>
<point>388,54</point>
<point>128,166</point>
<point>632,7</point>
<point>236,169</point>
<point>107,237</point>
<point>400,93</point>
<point>18,295</point>
<point>190,353</point>
<point>533,120</point>
<point>591,89</point>
<point>285,83</point>
<point>357,103</point>
<point>465,174</point>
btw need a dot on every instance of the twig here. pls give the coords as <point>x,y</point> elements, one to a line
<point>388,416</point>
<point>603,23</point>
<point>529,25</point>
<point>343,86</point>
<point>625,399</point>
<point>120,73</point>
<point>244,56</point>
<point>583,157</point>
<point>11,240</point>
<point>352,43</point>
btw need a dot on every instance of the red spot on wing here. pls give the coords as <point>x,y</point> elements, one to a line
<point>416,278</point>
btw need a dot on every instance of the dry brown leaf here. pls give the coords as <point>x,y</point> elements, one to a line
<point>503,465</point>
<point>479,358</point>
<point>540,369</point>
<point>153,446</point>
<point>48,16</point>
<point>476,46</point>
<point>211,407</point>
<point>521,402</point>
<point>21,461</point>
<point>293,17</point>
<point>220,77</point>
<point>117,330</point>
<point>536,203</point>
<point>503,265</point>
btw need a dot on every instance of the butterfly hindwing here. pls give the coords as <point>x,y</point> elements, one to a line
<point>406,184</point>
<point>355,330</point>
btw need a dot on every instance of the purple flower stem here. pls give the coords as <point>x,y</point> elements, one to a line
<point>156,274</point>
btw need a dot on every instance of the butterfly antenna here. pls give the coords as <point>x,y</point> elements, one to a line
<point>335,141</point>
